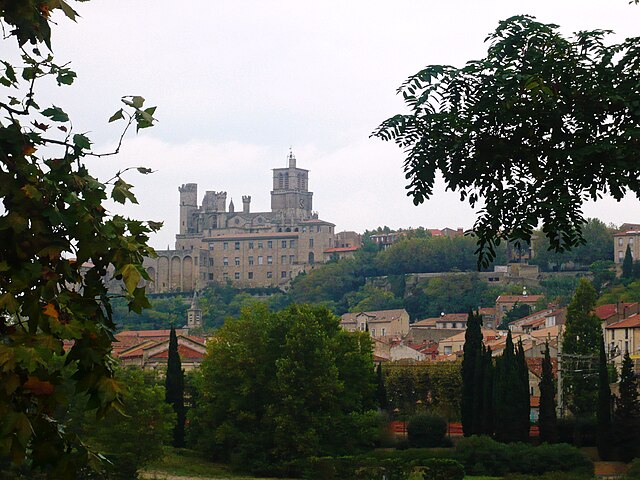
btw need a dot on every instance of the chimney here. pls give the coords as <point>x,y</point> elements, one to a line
<point>246,202</point>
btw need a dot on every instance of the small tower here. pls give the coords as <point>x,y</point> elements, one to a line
<point>194,314</point>
<point>232,208</point>
<point>246,202</point>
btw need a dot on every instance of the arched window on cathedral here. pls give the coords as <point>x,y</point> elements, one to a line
<point>280,180</point>
<point>286,180</point>
<point>311,258</point>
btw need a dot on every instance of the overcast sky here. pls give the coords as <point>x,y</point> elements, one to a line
<point>239,82</point>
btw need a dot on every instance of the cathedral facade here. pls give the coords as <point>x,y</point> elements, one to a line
<point>219,244</point>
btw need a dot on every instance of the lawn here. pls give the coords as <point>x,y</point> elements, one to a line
<point>183,464</point>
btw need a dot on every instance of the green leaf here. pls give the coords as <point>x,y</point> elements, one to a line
<point>116,116</point>
<point>81,141</point>
<point>137,102</point>
<point>122,191</point>
<point>68,11</point>
<point>131,277</point>
<point>144,170</point>
<point>56,114</point>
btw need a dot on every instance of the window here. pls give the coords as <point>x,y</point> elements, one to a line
<point>225,261</point>
<point>225,275</point>
<point>304,229</point>
<point>626,347</point>
<point>283,244</point>
<point>626,334</point>
<point>620,255</point>
<point>260,262</point>
<point>447,350</point>
<point>260,245</point>
<point>363,325</point>
<point>269,260</point>
<point>620,241</point>
<point>283,274</point>
<point>251,260</point>
<point>237,246</point>
<point>236,275</point>
<point>269,274</point>
<point>292,259</point>
<point>250,275</point>
<point>250,245</point>
<point>270,244</point>
<point>211,246</point>
<point>225,246</point>
<point>292,244</point>
<point>237,260</point>
<point>211,276</point>
<point>211,262</point>
<point>318,229</point>
<point>283,259</point>
<point>383,333</point>
<point>613,334</point>
<point>373,332</point>
<point>311,243</point>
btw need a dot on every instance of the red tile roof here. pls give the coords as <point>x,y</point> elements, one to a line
<point>184,351</point>
<point>609,310</point>
<point>632,322</point>
<point>535,366</point>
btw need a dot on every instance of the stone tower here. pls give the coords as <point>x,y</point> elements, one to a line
<point>246,203</point>
<point>290,195</point>
<point>194,314</point>
<point>188,205</point>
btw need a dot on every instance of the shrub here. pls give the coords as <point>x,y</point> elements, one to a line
<point>581,432</point>
<point>550,476</point>
<point>441,469</point>
<point>634,470</point>
<point>426,431</point>
<point>484,456</point>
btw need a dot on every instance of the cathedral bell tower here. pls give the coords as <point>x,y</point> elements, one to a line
<point>290,194</point>
<point>194,314</point>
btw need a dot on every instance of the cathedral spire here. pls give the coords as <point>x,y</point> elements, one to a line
<point>232,208</point>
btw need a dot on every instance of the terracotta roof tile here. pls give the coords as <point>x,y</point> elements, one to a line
<point>632,322</point>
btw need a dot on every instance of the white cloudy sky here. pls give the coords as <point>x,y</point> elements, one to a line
<point>239,82</point>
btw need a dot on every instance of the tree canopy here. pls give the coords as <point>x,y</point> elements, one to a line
<point>58,242</point>
<point>528,132</point>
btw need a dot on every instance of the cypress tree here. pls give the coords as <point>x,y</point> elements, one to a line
<point>605,439</point>
<point>507,395</point>
<point>524,405</point>
<point>627,414</point>
<point>478,393</point>
<point>627,264</point>
<point>381,389</point>
<point>547,421</point>
<point>487,394</point>
<point>472,344</point>
<point>174,388</point>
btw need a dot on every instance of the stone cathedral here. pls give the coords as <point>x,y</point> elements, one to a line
<point>218,243</point>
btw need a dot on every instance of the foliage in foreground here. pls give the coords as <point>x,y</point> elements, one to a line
<point>280,387</point>
<point>554,118</point>
<point>58,241</point>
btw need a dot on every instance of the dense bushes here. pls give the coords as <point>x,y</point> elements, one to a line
<point>634,470</point>
<point>581,432</point>
<point>417,464</point>
<point>484,456</point>
<point>426,431</point>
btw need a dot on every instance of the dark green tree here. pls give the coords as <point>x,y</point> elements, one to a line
<point>547,421</point>
<point>545,114</point>
<point>518,311</point>
<point>603,414</point>
<point>58,243</point>
<point>580,347</point>
<point>174,388</point>
<point>381,389</point>
<point>627,264</point>
<point>508,396</point>
<point>471,372</point>
<point>627,412</point>
<point>524,399</point>
<point>278,387</point>
<point>487,393</point>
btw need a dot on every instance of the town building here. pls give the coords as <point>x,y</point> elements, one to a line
<point>381,323</point>
<point>630,238</point>
<point>217,244</point>
<point>504,303</point>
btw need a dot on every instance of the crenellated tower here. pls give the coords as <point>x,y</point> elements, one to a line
<point>188,206</point>
<point>290,195</point>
